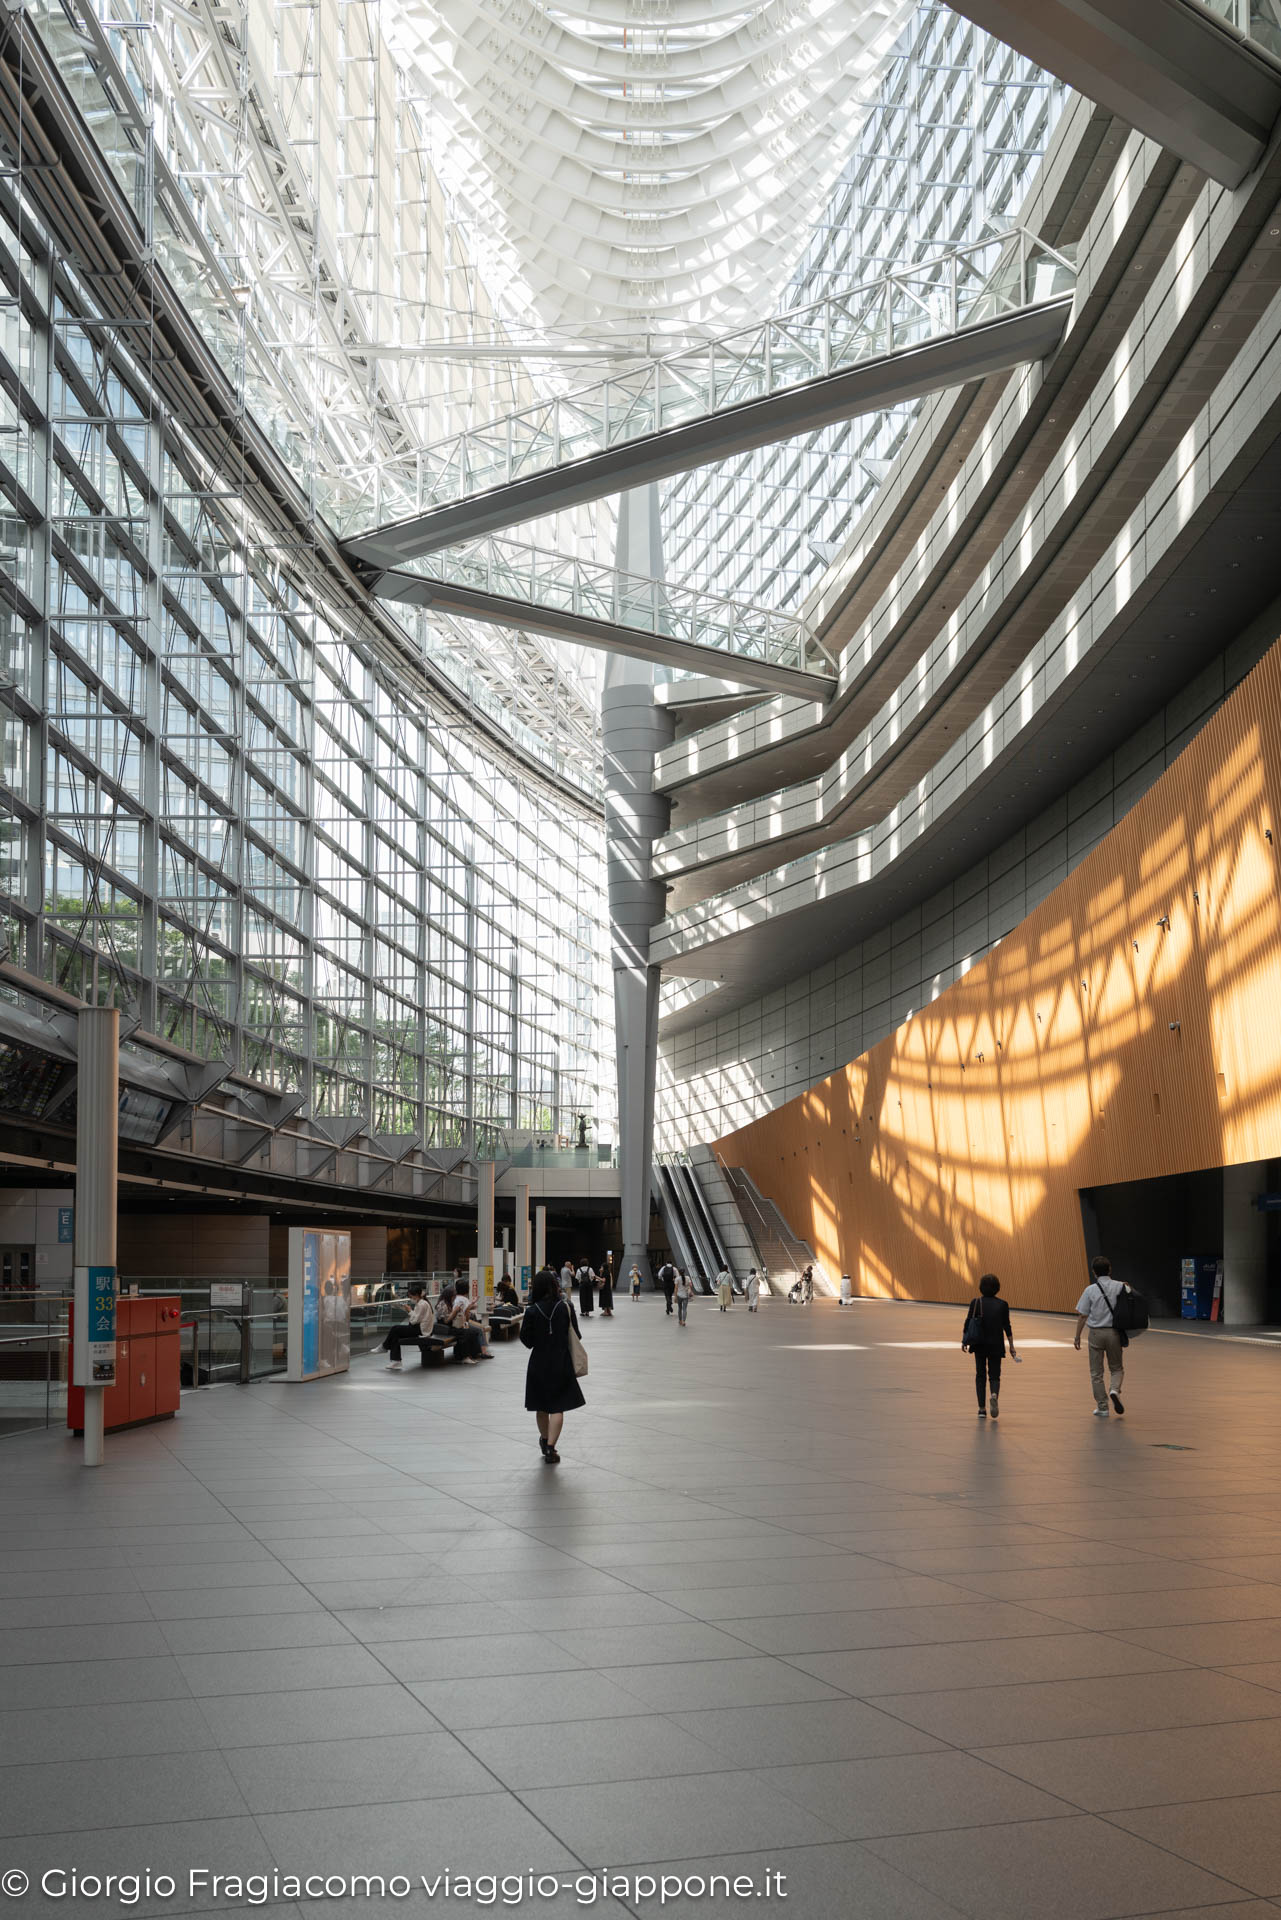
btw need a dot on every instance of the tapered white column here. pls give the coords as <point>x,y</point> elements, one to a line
<point>634,729</point>
<point>540,1238</point>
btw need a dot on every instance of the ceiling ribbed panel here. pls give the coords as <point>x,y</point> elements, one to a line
<point>657,166</point>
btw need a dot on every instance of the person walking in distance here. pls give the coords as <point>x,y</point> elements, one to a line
<point>987,1329</point>
<point>586,1278</point>
<point>684,1294</point>
<point>753,1288</point>
<point>607,1287</point>
<point>551,1386</point>
<point>1096,1310</point>
<point>636,1281</point>
<point>724,1289</point>
<point>667,1281</point>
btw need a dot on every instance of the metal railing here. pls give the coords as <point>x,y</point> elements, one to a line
<point>33,1378</point>
<point>535,1156</point>
<point>956,288</point>
<point>566,584</point>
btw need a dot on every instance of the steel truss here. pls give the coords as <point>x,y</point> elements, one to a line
<point>957,314</point>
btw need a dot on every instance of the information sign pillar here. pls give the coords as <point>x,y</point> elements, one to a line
<point>522,1226</point>
<point>484,1210</point>
<point>97,1128</point>
<point>540,1239</point>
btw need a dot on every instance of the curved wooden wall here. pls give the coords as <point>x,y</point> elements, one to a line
<point>1095,1044</point>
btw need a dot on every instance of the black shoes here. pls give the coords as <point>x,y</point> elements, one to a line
<point>1115,1398</point>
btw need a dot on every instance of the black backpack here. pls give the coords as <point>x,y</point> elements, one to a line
<point>1129,1310</point>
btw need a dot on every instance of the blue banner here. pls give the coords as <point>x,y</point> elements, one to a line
<point>310,1303</point>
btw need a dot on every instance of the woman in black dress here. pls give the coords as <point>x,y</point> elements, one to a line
<point>607,1288</point>
<point>551,1388</point>
<point>987,1330</point>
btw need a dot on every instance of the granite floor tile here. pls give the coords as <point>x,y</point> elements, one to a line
<point>525,1699</point>
<point>606,1826</point>
<point>280,1669</point>
<point>1148,1769</point>
<point>776,1736</point>
<point>793,1634</point>
<point>256,1631</point>
<point>1158,1608</point>
<point>1059,1709</point>
<point>752,1680</point>
<point>375,1771</point>
<point>1081,1869</point>
<point>911,1793</point>
<point>114,1731</point>
<point>92,1683</point>
<point>415,1837</point>
<point>647,1645</point>
<point>1239,1839</point>
<point>280,1719</point>
<point>124,1640</point>
<point>580,1752</point>
<point>473,1656</point>
<point>140,1789</point>
<point>919,1669</point>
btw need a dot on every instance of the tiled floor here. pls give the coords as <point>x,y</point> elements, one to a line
<point>787,1608</point>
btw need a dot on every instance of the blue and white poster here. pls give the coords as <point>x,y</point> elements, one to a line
<point>319,1340</point>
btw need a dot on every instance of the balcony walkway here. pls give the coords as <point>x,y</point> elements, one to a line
<point>786,1607</point>
<point>571,598</point>
<point>956,316</point>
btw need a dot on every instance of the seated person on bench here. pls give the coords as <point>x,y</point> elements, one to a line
<point>506,1301</point>
<point>413,1331</point>
<point>468,1328</point>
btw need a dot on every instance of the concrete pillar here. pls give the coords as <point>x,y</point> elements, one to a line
<point>484,1212</point>
<point>633,731</point>
<point>97,1128</point>
<point>522,1226</point>
<point>540,1238</point>
<point>1245,1245</point>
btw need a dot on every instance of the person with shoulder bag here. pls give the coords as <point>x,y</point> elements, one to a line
<point>987,1330</point>
<point>684,1294</point>
<point>1112,1311</point>
<point>557,1360</point>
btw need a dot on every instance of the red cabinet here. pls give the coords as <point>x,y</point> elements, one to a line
<point>146,1383</point>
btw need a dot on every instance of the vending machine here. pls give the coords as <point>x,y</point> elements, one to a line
<point>1198,1274</point>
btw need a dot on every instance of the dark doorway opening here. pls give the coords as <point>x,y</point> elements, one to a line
<point>1147,1228</point>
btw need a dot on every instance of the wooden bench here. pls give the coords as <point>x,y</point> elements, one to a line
<point>433,1351</point>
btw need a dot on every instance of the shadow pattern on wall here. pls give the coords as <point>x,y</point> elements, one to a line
<point>1129,1027</point>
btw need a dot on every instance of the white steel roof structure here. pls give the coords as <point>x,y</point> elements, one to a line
<point>643,164</point>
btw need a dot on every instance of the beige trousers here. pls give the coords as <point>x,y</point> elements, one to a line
<point>1106,1341</point>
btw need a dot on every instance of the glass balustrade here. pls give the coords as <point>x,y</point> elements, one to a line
<point>566,584</point>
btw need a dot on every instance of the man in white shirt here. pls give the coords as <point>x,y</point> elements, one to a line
<point>1095,1310</point>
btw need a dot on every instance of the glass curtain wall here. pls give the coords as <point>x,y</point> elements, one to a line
<point>956,129</point>
<point>222,808</point>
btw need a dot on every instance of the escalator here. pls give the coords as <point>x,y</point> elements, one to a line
<point>700,1218</point>
<point>682,1235</point>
